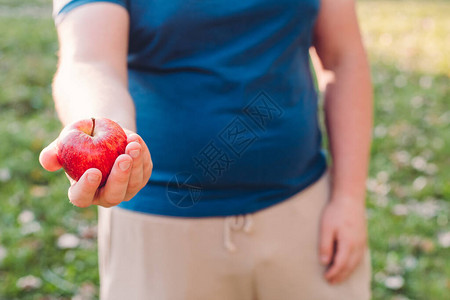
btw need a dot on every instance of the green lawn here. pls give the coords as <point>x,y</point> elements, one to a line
<point>44,236</point>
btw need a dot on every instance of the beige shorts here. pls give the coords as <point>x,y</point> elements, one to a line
<point>268,255</point>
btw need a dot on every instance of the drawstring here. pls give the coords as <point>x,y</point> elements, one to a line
<point>238,222</point>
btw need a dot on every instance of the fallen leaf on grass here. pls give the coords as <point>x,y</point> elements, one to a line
<point>39,191</point>
<point>444,239</point>
<point>5,175</point>
<point>68,241</point>
<point>29,282</point>
<point>394,282</point>
<point>25,217</point>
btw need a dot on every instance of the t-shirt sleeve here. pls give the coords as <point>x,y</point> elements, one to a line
<point>62,7</point>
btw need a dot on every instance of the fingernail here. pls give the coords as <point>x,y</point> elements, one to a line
<point>324,259</point>
<point>125,165</point>
<point>134,153</point>
<point>93,178</point>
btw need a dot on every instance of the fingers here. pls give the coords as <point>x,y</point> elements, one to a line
<point>49,159</point>
<point>117,184</point>
<point>148,165</point>
<point>340,263</point>
<point>147,161</point>
<point>82,193</point>
<point>353,261</point>
<point>134,149</point>
<point>327,236</point>
<point>142,165</point>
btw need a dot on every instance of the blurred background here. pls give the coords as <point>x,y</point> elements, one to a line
<point>48,246</point>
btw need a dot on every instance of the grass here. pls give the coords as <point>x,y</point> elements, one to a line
<point>409,191</point>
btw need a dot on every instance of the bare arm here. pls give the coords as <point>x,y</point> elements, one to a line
<point>91,81</point>
<point>348,96</point>
<point>348,115</point>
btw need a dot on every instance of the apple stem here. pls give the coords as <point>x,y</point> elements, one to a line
<point>93,127</point>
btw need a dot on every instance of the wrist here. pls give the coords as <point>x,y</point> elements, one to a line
<point>351,195</point>
<point>348,187</point>
<point>348,199</point>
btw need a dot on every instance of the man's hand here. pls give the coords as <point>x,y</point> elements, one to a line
<point>130,173</point>
<point>343,238</point>
<point>92,80</point>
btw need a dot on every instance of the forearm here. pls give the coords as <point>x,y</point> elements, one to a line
<point>348,117</point>
<point>92,89</point>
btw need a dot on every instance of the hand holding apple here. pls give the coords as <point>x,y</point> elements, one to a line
<point>90,143</point>
<point>105,164</point>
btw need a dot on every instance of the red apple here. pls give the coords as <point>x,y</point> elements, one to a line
<point>90,143</point>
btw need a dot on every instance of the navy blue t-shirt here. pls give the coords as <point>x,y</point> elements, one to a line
<point>225,101</point>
